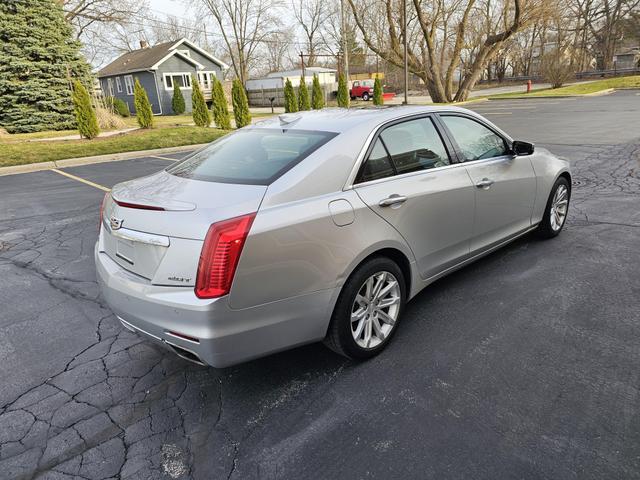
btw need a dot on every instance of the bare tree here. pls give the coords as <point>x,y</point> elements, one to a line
<point>311,15</point>
<point>448,40</point>
<point>83,14</point>
<point>245,26</point>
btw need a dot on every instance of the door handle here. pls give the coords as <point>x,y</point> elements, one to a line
<point>394,199</point>
<point>484,183</point>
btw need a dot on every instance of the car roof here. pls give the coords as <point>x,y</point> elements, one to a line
<point>340,120</point>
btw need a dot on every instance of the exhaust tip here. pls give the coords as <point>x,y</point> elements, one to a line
<point>186,354</point>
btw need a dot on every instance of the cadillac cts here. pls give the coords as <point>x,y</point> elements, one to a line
<point>317,227</point>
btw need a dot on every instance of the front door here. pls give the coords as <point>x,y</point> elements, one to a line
<point>409,181</point>
<point>505,185</point>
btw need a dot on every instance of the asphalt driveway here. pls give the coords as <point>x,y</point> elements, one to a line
<point>522,365</point>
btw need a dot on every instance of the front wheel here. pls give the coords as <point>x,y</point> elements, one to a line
<point>365,96</point>
<point>368,309</point>
<point>555,213</point>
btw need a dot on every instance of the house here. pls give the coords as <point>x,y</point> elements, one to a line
<point>627,58</point>
<point>260,91</point>
<point>158,69</point>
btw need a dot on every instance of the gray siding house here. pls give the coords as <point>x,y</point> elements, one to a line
<point>158,69</point>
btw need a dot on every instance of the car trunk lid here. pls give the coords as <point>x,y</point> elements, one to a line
<point>154,226</point>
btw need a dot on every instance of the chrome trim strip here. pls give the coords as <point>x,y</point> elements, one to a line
<point>140,237</point>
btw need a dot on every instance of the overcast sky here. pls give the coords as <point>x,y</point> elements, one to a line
<point>173,7</point>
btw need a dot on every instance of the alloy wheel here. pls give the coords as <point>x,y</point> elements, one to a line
<point>375,309</point>
<point>559,206</point>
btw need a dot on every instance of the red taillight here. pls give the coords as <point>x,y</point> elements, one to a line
<point>137,205</point>
<point>104,199</point>
<point>220,254</point>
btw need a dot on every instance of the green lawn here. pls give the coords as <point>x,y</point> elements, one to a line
<point>578,89</point>
<point>20,153</point>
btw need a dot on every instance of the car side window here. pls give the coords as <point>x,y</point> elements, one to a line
<point>378,165</point>
<point>476,141</point>
<point>415,145</point>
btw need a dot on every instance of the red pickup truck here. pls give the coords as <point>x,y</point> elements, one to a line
<point>361,89</point>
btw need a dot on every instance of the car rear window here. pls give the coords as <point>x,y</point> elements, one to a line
<point>254,156</point>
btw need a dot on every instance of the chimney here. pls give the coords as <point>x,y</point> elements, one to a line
<point>144,44</point>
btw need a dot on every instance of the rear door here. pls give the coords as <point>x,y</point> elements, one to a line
<point>505,185</point>
<point>410,180</point>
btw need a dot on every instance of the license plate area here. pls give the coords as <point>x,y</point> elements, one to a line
<point>125,250</point>
<point>136,252</point>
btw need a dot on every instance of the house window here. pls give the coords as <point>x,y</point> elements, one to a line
<point>206,79</point>
<point>128,83</point>
<point>110,86</point>
<point>118,85</point>
<point>183,80</point>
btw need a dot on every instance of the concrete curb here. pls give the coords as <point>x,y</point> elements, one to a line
<point>76,162</point>
<point>577,95</point>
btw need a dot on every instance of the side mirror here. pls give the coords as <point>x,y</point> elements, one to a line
<point>522,148</point>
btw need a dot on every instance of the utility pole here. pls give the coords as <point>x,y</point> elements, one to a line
<point>406,60</point>
<point>302,63</point>
<point>344,43</point>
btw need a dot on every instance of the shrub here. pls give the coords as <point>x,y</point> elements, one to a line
<point>120,107</point>
<point>303,96</point>
<point>177,102</point>
<point>317,95</point>
<point>199,109</point>
<point>107,120</point>
<point>290,102</point>
<point>144,114</point>
<point>219,107</point>
<point>240,104</point>
<point>556,68</point>
<point>343,92</point>
<point>377,92</point>
<point>85,114</point>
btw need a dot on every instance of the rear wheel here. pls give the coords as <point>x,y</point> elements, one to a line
<point>368,309</point>
<point>555,213</point>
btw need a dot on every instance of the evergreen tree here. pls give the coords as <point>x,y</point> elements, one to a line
<point>177,102</point>
<point>303,96</point>
<point>317,95</point>
<point>343,92</point>
<point>219,107</point>
<point>144,114</point>
<point>199,108</point>
<point>240,104</point>
<point>377,92</point>
<point>38,60</point>
<point>290,102</point>
<point>85,114</point>
<point>119,106</point>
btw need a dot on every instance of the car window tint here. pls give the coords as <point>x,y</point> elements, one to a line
<point>474,139</point>
<point>415,145</point>
<point>377,165</point>
<point>254,156</point>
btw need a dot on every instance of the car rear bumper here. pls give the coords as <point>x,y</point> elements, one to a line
<point>221,335</point>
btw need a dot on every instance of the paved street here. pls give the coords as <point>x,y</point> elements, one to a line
<point>523,365</point>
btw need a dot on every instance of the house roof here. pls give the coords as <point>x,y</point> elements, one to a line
<point>151,57</point>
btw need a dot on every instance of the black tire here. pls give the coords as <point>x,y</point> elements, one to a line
<point>339,337</point>
<point>545,229</point>
<point>365,96</point>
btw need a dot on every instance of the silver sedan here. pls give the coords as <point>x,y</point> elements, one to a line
<point>317,226</point>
